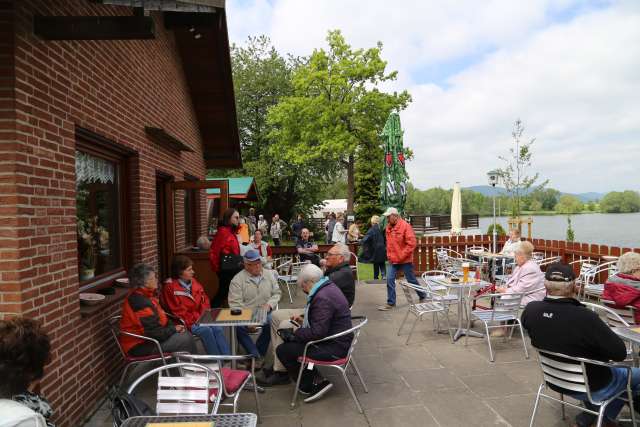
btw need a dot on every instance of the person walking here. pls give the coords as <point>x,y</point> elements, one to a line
<point>373,248</point>
<point>276,230</point>
<point>401,242</point>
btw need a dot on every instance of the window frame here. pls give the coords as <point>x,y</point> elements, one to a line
<point>93,144</point>
<point>191,196</point>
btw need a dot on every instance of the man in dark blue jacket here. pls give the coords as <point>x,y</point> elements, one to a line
<point>326,313</point>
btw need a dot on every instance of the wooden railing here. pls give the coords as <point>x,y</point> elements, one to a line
<point>431,223</point>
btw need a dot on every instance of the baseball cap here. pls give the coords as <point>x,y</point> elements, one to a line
<point>252,255</point>
<point>559,272</point>
<point>390,211</point>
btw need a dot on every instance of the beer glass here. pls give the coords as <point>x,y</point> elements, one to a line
<point>465,272</point>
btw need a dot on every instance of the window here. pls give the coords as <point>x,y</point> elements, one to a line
<point>99,213</point>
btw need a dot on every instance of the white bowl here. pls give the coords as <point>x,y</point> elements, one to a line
<point>123,282</point>
<point>91,298</point>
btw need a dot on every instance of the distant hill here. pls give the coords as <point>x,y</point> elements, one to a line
<point>488,190</point>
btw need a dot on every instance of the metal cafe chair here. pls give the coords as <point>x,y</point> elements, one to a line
<point>341,364</point>
<point>568,375</point>
<point>542,263</point>
<point>232,381</point>
<point>439,293</point>
<point>419,309</point>
<point>184,394</point>
<point>592,286</point>
<point>288,276</point>
<point>506,308</point>
<point>131,361</point>
<point>615,318</point>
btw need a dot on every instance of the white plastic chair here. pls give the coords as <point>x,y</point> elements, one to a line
<point>592,287</point>
<point>570,375</point>
<point>183,394</point>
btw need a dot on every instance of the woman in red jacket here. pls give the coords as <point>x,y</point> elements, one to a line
<point>623,288</point>
<point>185,298</point>
<point>225,242</point>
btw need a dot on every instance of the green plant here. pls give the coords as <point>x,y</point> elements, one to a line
<point>571,237</point>
<point>499,230</point>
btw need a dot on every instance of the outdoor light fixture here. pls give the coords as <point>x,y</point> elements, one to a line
<point>494,177</point>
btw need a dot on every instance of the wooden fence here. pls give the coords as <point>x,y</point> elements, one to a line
<point>423,224</point>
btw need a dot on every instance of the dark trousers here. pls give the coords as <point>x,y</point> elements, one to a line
<point>288,354</point>
<point>180,341</point>
<point>276,241</point>
<point>378,270</point>
<point>224,279</point>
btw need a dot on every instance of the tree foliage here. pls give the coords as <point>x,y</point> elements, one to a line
<point>620,202</point>
<point>367,182</point>
<point>518,162</point>
<point>336,108</point>
<point>569,204</point>
<point>571,235</point>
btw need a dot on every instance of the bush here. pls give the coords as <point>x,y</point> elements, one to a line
<point>499,230</point>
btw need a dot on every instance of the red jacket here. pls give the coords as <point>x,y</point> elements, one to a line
<point>225,242</point>
<point>401,241</point>
<point>179,302</point>
<point>142,315</point>
<point>623,289</point>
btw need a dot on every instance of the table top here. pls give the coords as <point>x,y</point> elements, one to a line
<point>489,254</point>
<point>628,333</point>
<point>470,284</point>
<point>208,318</point>
<point>220,420</point>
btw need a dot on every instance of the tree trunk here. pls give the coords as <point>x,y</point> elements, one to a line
<point>350,182</point>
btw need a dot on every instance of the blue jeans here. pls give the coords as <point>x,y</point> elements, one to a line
<point>260,347</point>
<point>213,339</point>
<point>617,384</point>
<point>407,269</point>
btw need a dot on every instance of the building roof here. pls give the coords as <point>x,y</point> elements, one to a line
<point>243,187</point>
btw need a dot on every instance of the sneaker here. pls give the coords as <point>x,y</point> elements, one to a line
<point>386,307</point>
<point>318,390</point>
<point>277,378</point>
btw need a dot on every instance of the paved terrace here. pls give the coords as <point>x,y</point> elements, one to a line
<point>430,382</point>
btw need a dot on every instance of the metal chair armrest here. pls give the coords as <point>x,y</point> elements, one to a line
<point>142,337</point>
<point>334,336</point>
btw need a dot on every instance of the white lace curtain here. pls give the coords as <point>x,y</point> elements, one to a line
<point>93,169</point>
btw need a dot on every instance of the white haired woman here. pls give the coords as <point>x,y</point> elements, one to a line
<point>623,288</point>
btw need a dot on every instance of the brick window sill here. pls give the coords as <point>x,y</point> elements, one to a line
<point>89,310</point>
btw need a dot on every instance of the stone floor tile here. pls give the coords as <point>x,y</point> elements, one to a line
<point>429,379</point>
<point>494,385</point>
<point>399,416</point>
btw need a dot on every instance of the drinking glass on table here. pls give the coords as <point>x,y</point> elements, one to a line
<point>465,272</point>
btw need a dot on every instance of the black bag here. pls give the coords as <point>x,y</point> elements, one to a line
<point>125,405</point>
<point>230,262</point>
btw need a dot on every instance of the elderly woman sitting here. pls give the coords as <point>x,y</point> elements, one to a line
<point>623,288</point>
<point>24,352</point>
<point>142,315</point>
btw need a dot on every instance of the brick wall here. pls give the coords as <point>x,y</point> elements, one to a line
<point>47,88</point>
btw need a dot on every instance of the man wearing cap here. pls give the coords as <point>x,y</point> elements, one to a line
<point>254,287</point>
<point>401,242</point>
<point>561,324</point>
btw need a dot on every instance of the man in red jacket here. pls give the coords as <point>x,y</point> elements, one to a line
<point>401,242</point>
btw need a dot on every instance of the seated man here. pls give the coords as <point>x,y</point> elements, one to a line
<point>623,288</point>
<point>339,270</point>
<point>561,324</point>
<point>254,287</point>
<point>326,313</point>
<point>307,249</point>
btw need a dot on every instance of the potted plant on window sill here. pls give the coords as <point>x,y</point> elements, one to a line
<point>92,239</point>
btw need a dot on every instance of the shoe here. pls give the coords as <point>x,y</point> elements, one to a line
<point>318,390</point>
<point>277,378</point>
<point>386,307</point>
<point>422,300</point>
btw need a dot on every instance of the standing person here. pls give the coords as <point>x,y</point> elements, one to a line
<point>185,298</point>
<point>339,232</point>
<point>401,242</point>
<point>276,230</point>
<point>331,224</point>
<point>251,220</point>
<point>225,243</point>
<point>24,352</point>
<point>354,232</point>
<point>243,231</point>
<point>306,248</point>
<point>263,225</point>
<point>296,228</point>
<point>374,249</point>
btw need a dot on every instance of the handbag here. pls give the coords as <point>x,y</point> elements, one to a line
<point>230,262</point>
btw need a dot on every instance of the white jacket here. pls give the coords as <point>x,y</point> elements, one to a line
<point>14,414</point>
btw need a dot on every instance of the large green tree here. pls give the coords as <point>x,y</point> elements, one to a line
<point>261,78</point>
<point>367,182</point>
<point>620,202</point>
<point>336,108</point>
<point>569,204</point>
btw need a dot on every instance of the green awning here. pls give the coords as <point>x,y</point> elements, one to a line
<point>243,187</point>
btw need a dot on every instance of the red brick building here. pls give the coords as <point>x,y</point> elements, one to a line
<point>99,119</point>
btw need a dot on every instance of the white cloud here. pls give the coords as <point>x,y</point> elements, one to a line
<point>574,83</point>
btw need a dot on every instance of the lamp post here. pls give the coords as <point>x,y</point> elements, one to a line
<point>494,177</point>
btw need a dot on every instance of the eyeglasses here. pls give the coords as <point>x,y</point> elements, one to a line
<point>332,254</point>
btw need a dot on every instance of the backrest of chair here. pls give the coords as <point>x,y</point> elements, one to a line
<point>610,267</point>
<point>507,304</point>
<point>204,360</point>
<point>114,327</point>
<point>476,249</point>
<point>614,317</point>
<point>537,256</point>
<point>356,333</point>
<point>564,372</point>
<point>547,261</point>
<point>406,289</point>
<point>182,394</point>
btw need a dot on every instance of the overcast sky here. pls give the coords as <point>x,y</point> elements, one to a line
<point>570,70</point>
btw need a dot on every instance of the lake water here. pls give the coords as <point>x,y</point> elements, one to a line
<point>605,229</point>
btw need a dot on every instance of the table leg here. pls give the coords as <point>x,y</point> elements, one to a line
<point>461,329</point>
<point>234,346</point>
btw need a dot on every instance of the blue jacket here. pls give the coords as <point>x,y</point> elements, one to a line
<point>329,314</point>
<point>373,247</point>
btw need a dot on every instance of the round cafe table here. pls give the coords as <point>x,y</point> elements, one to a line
<point>463,290</point>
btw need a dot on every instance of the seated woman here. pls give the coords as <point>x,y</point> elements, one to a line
<point>142,315</point>
<point>24,351</point>
<point>185,298</point>
<point>262,246</point>
<point>623,288</point>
